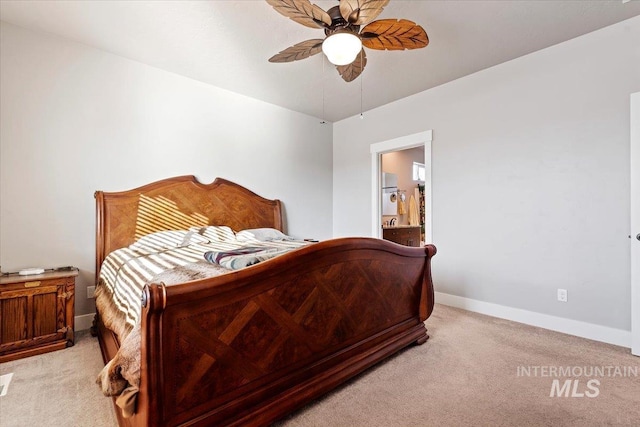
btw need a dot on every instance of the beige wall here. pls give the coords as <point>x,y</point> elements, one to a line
<point>76,119</point>
<point>530,177</point>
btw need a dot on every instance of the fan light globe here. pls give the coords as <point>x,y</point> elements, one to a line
<point>342,48</point>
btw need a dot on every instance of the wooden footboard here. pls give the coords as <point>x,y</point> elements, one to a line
<point>248,347</point>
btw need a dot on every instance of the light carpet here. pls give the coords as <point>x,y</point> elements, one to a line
<point>57,389</point>
<point>471,372</point>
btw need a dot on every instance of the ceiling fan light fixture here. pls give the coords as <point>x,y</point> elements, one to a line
<point>349,27</point>
<point>342,48</point>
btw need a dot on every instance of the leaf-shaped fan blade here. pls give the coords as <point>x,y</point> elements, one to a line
<point>360,12</point>
<point>392,34</point>
<point>298,51</point>
<point>303,12</point>
<point>352,71</point>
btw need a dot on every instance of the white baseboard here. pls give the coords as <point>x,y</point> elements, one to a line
<point>83,322</point>
<point>559,324</point>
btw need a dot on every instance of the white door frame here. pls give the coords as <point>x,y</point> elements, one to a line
<point>402,143</point>
<point>635,223</point>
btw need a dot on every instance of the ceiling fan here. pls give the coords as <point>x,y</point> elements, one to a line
<point>345,39</point>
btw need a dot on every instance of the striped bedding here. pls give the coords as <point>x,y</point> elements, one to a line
<point>125,271</point>
<point>170,257</point>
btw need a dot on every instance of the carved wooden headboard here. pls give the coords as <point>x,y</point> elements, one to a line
<point>177,204</point>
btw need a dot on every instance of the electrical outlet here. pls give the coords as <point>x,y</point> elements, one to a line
<point>91,292</point>
<point>562,295</point>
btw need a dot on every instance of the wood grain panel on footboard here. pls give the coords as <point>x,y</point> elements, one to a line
<point>250,346</point>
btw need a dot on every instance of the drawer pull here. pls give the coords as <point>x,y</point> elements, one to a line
<point>32,284</point>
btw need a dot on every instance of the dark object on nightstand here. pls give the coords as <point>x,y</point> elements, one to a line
<point>36,313</point>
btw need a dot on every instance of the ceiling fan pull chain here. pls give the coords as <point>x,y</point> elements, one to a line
<point>323,79</point>
<point>361,115</point>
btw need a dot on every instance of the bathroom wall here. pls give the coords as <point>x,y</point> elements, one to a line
<point>401,164</point>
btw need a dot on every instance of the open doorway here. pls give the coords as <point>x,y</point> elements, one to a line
<point>403,196</point>
<point>406,145</point>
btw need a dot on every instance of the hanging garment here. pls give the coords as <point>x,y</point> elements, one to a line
<point>414,218</point>
<point>402,209</point>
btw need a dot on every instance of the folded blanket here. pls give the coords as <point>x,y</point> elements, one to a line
<point>124,369</point>
<point>236,259</point>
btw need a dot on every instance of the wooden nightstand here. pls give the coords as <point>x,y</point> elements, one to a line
<point>36,313</point>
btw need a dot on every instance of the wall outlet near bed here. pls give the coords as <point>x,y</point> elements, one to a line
<point>562,295</point>
<point>91,292</point>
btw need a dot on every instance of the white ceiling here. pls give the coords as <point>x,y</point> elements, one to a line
<point>227,43</point>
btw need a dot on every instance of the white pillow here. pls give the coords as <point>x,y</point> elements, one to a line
<point>261,235</point>
<point>169,239</point>
<point>216,233</point>
<point>194,237</point>
<point>161,240</point>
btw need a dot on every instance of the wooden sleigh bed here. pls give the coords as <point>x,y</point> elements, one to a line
<point>319,315</point>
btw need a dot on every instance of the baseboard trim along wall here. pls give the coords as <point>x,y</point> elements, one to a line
<point>83,322</point>
<point>559,324</point>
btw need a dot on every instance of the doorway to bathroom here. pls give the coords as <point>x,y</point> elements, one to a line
<point>394,164</point>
